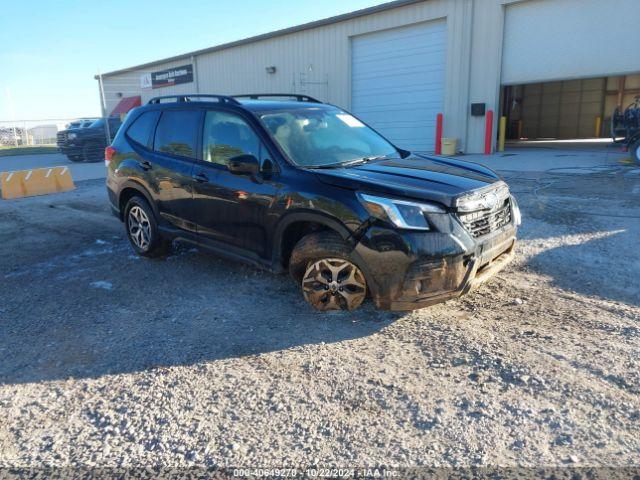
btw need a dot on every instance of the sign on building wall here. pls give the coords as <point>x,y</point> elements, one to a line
<point>168,77</point>
<point>145,81</point>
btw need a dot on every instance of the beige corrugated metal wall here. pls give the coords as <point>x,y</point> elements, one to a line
<point>317,62</point>
<point>555,40</point>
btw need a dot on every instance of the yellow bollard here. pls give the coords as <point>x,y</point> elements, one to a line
<point>598,126</point>
<point>519,129</point>
<point>502,133</point>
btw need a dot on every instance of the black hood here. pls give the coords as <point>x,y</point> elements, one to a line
<point>428,178</point>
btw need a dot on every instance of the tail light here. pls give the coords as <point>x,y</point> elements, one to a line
<point>109,152</point>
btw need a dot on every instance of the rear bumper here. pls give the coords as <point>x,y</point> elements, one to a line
<point>113,197</point>
<point>409,270</point>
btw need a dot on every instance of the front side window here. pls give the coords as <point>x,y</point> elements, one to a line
<point>324,136</point>
<point>226,136</point>
<point>177,133</point>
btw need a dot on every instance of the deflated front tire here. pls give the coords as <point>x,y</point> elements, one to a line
<point>330,278</point>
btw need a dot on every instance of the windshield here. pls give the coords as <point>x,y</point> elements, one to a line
<point>316,137</point>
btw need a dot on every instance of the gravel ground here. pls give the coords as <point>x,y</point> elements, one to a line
<point>111,360</point>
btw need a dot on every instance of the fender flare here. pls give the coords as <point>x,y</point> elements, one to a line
<point>140,188</point>
<point>306,216</point>
<point>328,221</point>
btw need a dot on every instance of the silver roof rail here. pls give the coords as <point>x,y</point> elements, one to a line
<point>187,98</point>
<point>298,97</point>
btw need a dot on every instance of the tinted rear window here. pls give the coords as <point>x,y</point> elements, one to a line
<point>177,132</point>
<point>141,130</point>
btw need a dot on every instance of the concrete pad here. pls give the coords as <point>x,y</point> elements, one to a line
<point>79,171</point>
<point>568,156</point>
<point>531,159</point>
<point>570,144</point>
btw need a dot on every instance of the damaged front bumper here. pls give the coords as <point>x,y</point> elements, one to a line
<point>410,270</point>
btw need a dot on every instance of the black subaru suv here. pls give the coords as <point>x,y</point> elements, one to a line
<point>288,183</point>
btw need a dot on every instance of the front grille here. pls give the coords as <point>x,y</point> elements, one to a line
<point>62,138</point>
<point>483,222</point>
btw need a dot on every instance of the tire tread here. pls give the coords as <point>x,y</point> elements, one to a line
<point>160,246</point>
<point>324,244</point>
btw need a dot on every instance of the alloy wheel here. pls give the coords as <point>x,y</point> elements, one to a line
<point>139,227</point>
<point>334,284</point>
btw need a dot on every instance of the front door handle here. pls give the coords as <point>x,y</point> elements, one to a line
<point>201,177</point>
<point>146,165</point>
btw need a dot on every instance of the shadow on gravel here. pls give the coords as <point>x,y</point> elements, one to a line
<point>602,267</point>
<point>187,309</point>
<point>586,221</point>
<point>75,301</point>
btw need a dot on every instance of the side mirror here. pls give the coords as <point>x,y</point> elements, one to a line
<point>244,165</point>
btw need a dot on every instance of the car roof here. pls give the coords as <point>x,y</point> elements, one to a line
<point>271,105</point>
<point>242,103</point>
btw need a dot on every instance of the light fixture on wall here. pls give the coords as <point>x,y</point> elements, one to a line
<point>271,70</point>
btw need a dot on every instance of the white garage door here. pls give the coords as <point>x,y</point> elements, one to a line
<point>569,39</point>
<point>398,82</point>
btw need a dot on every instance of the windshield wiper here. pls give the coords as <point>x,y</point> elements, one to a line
<point>360,161</point>
<point>349,163</point>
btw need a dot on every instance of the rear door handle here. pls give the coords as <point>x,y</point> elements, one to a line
<point>201,177</point>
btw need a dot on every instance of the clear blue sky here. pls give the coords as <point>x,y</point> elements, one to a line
<point>50,50</point>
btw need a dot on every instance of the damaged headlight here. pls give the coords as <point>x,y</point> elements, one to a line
<point>401,213</point>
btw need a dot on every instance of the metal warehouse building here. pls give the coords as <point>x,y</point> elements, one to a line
<point>554,68</point>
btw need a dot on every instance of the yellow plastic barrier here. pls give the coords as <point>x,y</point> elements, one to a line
<point>38,181</point>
